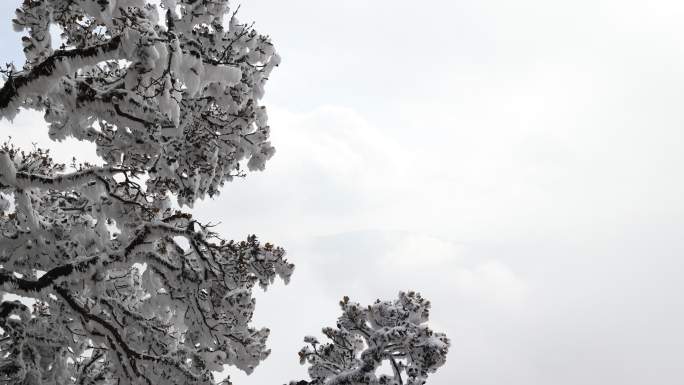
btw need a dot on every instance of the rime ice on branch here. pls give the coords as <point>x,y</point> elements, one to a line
<point>172,100</point>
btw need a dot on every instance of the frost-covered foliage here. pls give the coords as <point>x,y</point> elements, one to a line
<point>174,96</point>
<point>127,288</point>
<point>393,333</point>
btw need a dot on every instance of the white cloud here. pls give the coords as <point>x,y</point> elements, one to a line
<point>408,251</point>
<point>490,281</point>
<point>379,263</point>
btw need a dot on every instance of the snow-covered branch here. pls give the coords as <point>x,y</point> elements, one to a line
<point>40,78</point>
<point>25,287</point>
<point>134,358</point>
<point>24,180</point>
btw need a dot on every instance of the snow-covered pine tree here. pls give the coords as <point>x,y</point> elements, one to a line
<point>387,332</point>
<point>118,284</point>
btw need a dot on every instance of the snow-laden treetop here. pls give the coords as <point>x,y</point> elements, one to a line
<point>387,332</point>
<point>175,97</point>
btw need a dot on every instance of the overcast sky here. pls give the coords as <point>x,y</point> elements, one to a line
<point>518,162</point>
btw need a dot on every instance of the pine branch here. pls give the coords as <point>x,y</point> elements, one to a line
<point>27,287</point>
<point>55,65</point>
